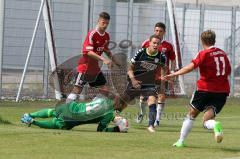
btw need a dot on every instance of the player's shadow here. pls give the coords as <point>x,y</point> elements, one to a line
<point>5,122</point>
<point>85,130</point>
<point>227,149</point>
<point>144,127</point>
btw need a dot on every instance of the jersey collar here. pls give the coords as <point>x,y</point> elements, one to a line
<point>99,32</point>
<point>211,47</point>
<point>150,54</point>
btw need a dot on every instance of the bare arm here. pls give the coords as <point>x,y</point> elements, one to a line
<point>99,58</point>
<point>108,53</point>
<point>95,56</point>
<point>135,83</point>
<point>182,71</point>
<point>130,71</point>
<point>110,56</point>
<point>172,65</point>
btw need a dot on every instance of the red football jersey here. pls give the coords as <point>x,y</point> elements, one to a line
<point>97,43</point>
<point>165,47</point>
<point>214,69</point>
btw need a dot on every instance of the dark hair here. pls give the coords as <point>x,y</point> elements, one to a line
<point>154,36</point>
<point>208,37</point>
<point>161,25</point>
<point>104,15</point>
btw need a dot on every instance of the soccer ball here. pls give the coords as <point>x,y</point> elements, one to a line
<point>122,123</point>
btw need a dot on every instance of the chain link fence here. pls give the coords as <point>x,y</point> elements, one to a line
<point>132,22</point>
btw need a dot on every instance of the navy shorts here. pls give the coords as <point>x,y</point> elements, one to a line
<point>201,100</point>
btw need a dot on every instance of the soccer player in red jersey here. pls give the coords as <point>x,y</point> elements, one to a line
<point>96,42</point>
<point>167,49</point>
<point>212,87</point>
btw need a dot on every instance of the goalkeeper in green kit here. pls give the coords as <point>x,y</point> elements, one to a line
<point>66,116</point>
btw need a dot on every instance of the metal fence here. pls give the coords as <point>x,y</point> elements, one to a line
<point>130,20</point>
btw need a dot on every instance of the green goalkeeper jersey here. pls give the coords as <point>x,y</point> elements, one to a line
<point>100,110</point>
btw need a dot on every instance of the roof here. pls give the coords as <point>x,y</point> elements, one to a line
<point>209,2</point>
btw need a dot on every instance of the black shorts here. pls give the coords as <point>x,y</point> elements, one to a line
<point>146,91</point>
<point>202,100</point>
<point>93,80</point>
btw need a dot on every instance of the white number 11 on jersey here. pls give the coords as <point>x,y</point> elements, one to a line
<point>217,61</point>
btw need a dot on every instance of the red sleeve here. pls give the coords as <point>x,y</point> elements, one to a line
<point>171,52</point>
<point>88,43</point>
<point>145,44</point>
<point>197,60</point>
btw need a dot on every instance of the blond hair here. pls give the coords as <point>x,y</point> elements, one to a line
<point>208,37</point>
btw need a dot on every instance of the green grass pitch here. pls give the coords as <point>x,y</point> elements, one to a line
<point>18,141</point>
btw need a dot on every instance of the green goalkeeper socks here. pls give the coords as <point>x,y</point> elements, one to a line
<point>44,113</point>
<point>54,123</point>
<point>49,124</point>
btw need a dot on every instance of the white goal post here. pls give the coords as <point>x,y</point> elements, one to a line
<point>175,38</point>
<point>46,11</point>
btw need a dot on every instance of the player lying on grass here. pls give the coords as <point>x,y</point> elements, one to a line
<point>212,87</point>
<point>66,116</point>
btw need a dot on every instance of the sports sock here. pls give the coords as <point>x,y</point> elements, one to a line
<point>160,107</point>
<point>152,115</point>
<point>209,124</point>
<point>48,124</point>
<point>44,113</point>
<point>142,107</point>
<point>186,128</point>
